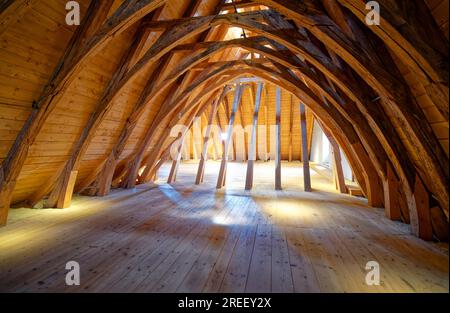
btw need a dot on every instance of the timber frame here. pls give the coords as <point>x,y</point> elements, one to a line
<point>348,74</point>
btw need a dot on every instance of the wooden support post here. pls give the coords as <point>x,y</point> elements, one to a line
<point>5,199</point>
<point>266,119</point>
<point>310,131</point>
<point>305,154</point>
<point>223,165</point>
<point>278,140</point>
<point>191,122</point>
<point>338,173</point>
<point>202,163</point>
<point>102,184</point>
<point>391,197</point>
<point>252,150</point>
<point>175,163</point>
<point>62,200</point>
<point>226,107</point>
<point>421,224</point>
<point>241,117</point>
<point>439,223</point>
<point>291,122</point>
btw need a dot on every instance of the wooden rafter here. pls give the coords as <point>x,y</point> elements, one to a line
<point>411,32</point>
<point>401,104</point>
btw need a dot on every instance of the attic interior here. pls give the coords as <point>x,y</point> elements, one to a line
<point>224,146</point>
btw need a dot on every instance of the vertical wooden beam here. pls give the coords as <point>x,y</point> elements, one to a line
<point>421,224</point>
<point>310,131</point>
<point>194,132</point>
<point>213,113</point>
<point>176,162</point>
<point>154,171</point>
<point>190,122</point>
<point>291,122</point>
<point>153,156</point>
<point>226,108</point>
<point>338,173</point>
<point>266,118</point>
<point>391,187</point>
<point>5,200</point>
<point>278,139</point>
<point>202,163</point>
<point>252,150</point>
<point>223,165</point>
<point>305,154</point>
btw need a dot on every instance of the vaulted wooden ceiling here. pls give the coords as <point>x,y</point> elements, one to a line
<point>90,106</point>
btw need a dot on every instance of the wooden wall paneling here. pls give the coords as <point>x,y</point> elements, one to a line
<point>338,173</point>
<point>12,165</point>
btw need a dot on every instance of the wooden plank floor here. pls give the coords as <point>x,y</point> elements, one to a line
<point>187,238</point>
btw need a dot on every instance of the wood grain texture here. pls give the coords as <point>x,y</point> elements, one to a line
<point>179,238</point>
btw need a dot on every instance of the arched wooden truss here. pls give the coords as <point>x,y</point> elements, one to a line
<point>347,73</point>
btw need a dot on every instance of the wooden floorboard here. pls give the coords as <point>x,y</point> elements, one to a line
<point>188,238</point>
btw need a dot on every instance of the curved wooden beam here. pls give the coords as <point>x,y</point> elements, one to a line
<point>360,167</point>
<point>397,99</point>
<point>165,110</point>
<point>300,45</point>
<point>278,30</point>
<point>180,31</point>
<point>62,188</point>
<point>344,104</point>
<point>308,97</point>
<point>410,31</point>
<point>150,161</point>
